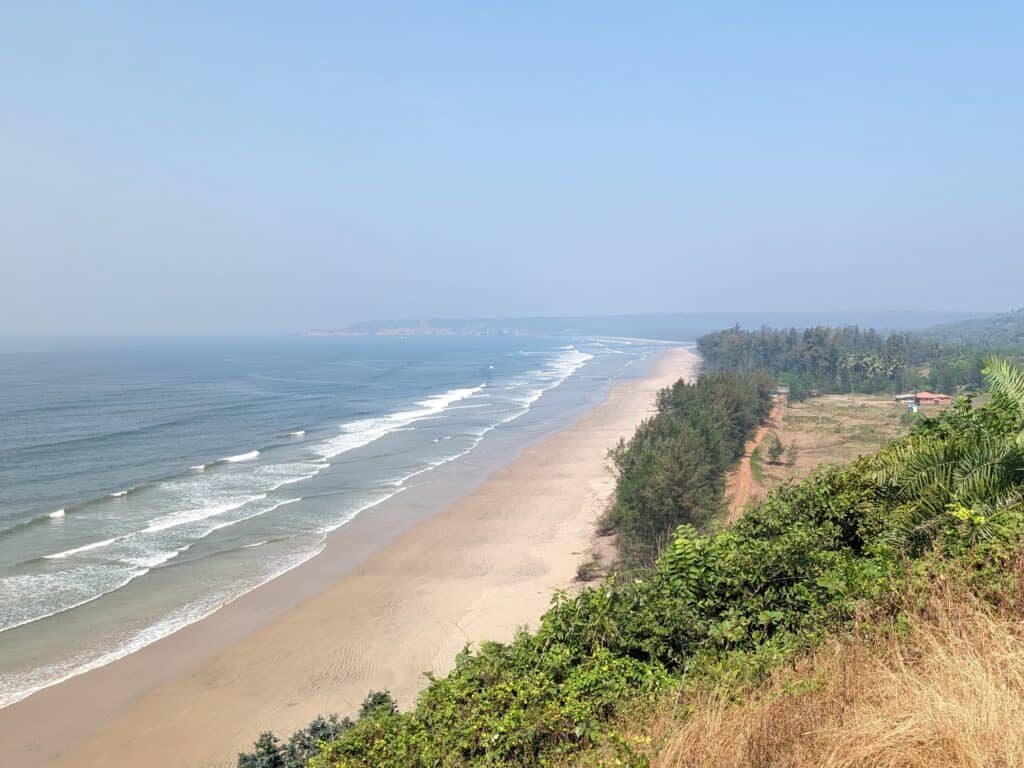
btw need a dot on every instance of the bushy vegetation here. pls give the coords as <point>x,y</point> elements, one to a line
<point>837,360</point>
<point>728,606</point>
<point>940,685</point>
<point>269,752</point>
<point>671,471</point>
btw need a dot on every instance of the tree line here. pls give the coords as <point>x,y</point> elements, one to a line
<point>848,359</point>
<point>671,471</point>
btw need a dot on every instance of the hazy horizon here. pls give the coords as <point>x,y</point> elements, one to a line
<point>681,326</point>
<point>177,170</point>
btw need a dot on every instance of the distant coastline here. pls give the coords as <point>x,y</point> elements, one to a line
<point>665,327</point>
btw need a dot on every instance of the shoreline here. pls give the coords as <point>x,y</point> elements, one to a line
<point>393,594</point>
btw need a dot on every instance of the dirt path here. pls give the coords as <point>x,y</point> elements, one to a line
<point>740,484</point>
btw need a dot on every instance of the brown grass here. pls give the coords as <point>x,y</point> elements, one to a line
<point>822,430</point>
<point>948,691</point>
<point>835,429</point>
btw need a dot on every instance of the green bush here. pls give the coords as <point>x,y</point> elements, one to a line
<point>712,608</point>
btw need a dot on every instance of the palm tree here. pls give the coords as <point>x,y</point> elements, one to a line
<point>969,464</point>
<point>1007,385</point>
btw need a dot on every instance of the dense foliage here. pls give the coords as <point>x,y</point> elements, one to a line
<point>733,604</point>
<point>851,360</point>
<point>269,752</point>
<point>671,471</point>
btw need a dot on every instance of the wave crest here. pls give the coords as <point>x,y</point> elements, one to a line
<point>356,434</point>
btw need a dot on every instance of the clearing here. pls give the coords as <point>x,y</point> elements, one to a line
<point>831,429</point>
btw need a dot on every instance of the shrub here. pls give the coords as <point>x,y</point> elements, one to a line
<point>712,609</point>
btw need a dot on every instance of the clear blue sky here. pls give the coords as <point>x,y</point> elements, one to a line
<point>256,166</point>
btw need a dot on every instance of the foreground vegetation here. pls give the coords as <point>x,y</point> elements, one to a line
<point>940,685</point>
<point>715,614</point>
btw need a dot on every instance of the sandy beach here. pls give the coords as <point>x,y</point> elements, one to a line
<point>317,639</point>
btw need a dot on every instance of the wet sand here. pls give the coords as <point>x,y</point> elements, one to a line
<point>317,639</point>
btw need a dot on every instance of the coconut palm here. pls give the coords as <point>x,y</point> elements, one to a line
<point>969,464</point>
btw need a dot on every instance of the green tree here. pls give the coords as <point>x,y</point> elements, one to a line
<point>791,454</point>
<point>306,743</point>
<point>266,753</point>
<point>378,702</point>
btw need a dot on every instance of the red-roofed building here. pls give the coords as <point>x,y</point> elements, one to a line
<point>931,398</point>
<point>914,399</point>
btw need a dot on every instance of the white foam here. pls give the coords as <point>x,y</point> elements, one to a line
<point>297,433</point>
<point>368,505</point>
<point>13,690</point>
<point>401,481</point>
<point>353,435</point>
<point>356,434</point>
<point>199,467</point>
<point>229,523</point>
<point>57,515</point>
<point>241,457</point>
<point>158,558</point>
<point>298,479</point>
<point>85,548</point>
<point>560,369</point>
<point>119,494</point>
<point>50,582</point>
<point>200,513</point>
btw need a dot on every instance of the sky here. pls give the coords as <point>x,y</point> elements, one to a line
<point>272,167</point>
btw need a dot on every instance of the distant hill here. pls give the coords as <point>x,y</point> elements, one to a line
<point>996,331</point>
<point>670,327</point>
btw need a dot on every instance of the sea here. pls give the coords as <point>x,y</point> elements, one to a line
<point>146,483</point>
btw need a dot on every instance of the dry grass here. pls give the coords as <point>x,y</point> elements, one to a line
<point>835,429</point>
<point>821,430</point>
<point>949,691</point>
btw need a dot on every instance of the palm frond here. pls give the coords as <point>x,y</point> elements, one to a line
<point>915,525</point>
<point>918,463</point>
<point>1006,382</point>
<point>984,470</point>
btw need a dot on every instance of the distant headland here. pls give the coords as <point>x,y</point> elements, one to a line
<point>678,326</point>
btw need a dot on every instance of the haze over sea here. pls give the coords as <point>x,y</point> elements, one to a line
<point>143,485</point>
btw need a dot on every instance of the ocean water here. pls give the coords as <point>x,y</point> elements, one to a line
<point>144,485</point>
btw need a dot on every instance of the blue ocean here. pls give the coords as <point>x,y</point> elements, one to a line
<point>145,484</point>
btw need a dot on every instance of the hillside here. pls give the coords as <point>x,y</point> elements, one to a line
<point>1002,331</point>
<point>678,326</point>
<point>617,674</point>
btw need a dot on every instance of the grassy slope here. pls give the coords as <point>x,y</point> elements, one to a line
<point>941,684</point>
<point>942,688</point>
<point>734,629</point>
